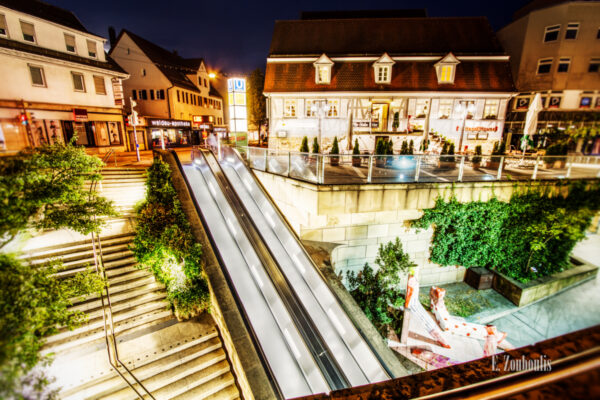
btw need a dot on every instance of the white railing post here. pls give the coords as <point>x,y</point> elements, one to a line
<point>418,168</point>
<point>266,159</point>
<point>370,173</point>
<point>535,168</point>
<point>461,168</point>
<point>289,163</point>
<point>499,176</point>
<point>322,174</point>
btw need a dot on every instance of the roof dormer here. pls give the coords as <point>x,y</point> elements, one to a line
<point>446,69</point>
<point>382,69</point>
<point>323,70</point>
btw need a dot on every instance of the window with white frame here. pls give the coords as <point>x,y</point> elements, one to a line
<point>70,43</point>
<point>551,33</point>
<point>490,111</point>
<point>544,66</point>
<point>572,30</point>
<point>3,28</point>
<point>92,49</point>
<point>446,69</point>
<point>37,75</point>
<point>78,82</point>
<point>99,84</point>
<point>309,110</point>
<point>28,31</point>
<point>421,108</point>
<point>563,64</point>
<point>445,108</point>
<point>289,108</point>
<point>323,70</point>
<point>333,108</point>
<point>382,69</point>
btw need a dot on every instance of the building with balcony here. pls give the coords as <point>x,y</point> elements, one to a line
<point>395,78</point>
<point>555,50</point>
<point>175,99</point>
<point>57,81</point>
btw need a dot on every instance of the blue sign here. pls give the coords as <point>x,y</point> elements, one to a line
<point>239,85</point>
<point>230,85</point>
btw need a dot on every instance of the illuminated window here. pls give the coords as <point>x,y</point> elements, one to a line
<point>551,33</point>
<point>289,108</point>
<point>490,111</point>
<point>382,69</point>
<point>421,108</point>
<point>572,30</point>
<point>445,108</point>
<point>544,66</point>
<point>70,43</point>
<point>308,108</point>
<point>446,73</point>
<point>324,74</point>
<point>382,74</point>
<point>446,69</point>
<point>28,32</point>
<point>563,64</point>
<point>333,108</point>
<point>323,70</point>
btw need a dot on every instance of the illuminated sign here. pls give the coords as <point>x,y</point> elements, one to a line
<point>80,114</point>
<point>168,123</point>
<point>236,88</point>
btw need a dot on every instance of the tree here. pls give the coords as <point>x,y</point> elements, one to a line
<point>257,110</point>
<point>304,145</point>
<point>315,146</point>
<point>411,147</point>
<point>34,305</point>
<point>404,148</point>
<point>335,148</point>
<point>43,188</point>
<point>356,149</point>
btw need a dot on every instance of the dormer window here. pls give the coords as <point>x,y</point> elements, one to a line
<point>323,70</point>
<point>382,69</point>
<point>446,69</point>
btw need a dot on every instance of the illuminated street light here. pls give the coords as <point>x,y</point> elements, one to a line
<point>320,107</point>
<point>212,75</point>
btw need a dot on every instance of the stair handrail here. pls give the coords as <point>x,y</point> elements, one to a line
<point>99,261</point>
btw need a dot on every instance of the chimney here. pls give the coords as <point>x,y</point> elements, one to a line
<point>112,36</point>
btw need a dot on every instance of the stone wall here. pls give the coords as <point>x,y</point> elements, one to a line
<point>361,217</point>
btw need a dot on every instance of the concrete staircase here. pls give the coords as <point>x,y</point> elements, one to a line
<point>173,360</point>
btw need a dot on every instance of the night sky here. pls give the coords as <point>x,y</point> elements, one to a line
<point>234,36</point>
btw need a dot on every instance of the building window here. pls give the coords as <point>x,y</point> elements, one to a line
<point>151,94</point>
<point>594,65</point>
<point>70,43</point>
<point>446,69</point>
<point>308,108</point>
<point>572,29</point>
<point>28,32</point>
<point>323,70</point>
<point>289,108</point>
<point>563,64</point>
<point>187,98</point>
<point>199,81</point>
<point>143,94</point>
<point>205,83</point>
<point>205,102</point>
<point>421,108</point>
<point>99,84</point>
<point>382,74</point>
<point>128,51</point>
<point>3,29</point>
<point>134,94</point>
<point>551,33</point>
<point>490,111</point>
<point>178,97</point>
<point>78,82</point>
<point>445,108</point>
<point>333,108</point>
<point>446,74</point>
<point>92,50</point>
<point>598,34</point>
<point>544,66</point>
<point>37,76</point>
<point>143,71</point>
<point>161,94</point>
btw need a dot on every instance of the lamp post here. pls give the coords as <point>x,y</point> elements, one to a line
<point>320,107</point>
<point>468,106</point>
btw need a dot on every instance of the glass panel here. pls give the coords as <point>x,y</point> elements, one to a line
<point>304,166</point>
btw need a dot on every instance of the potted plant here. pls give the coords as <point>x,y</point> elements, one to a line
<point>304,145</point>
<point>446,159</point>
<point>554,150</point>
<point>334,159</point>
<point>380,151</point>
<point>396,122</point>
<point>476,160</point>
<point>404,148</point>
<point>356,159</point>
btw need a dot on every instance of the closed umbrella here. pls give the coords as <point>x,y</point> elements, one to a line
<point>531,120</point>
<point>349,145</point>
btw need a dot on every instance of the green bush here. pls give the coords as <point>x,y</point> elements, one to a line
<point>404,148</point>
<point>164,244</point>
<point>411,147</point>
<point>477,157</point>
<point>356,150</point>
<point>389,147</point>
<point>380,147</point>
<point>304,145</point>
<point>315,146</point>
<point>444,149</point>
<point>335,148</point>
<point>529,237</point>
<point>557,149</point>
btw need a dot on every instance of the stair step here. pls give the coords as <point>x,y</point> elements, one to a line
<point>220,387</point>
<point>87,258</point>
<point>58,250</point>
<point>124,301</point>
<point>112,268</point>
<point>145,368</point>
<point>120,291</point>
<point>83,254</point>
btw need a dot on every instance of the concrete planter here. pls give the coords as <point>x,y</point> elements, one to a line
<point>380,162</point>
<point>522,294</point>
<point>334,161</point>
<point>356,161</point>
<point>479,278</point>
<point>446,164</point>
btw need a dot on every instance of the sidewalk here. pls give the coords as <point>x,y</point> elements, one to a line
<point>129,159</point>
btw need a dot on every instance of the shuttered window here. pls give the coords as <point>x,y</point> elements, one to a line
<point>28,32</point>
<point>70,43</point>
<point>3,31</point>
<point>92,50</point>
<point>99,84</point>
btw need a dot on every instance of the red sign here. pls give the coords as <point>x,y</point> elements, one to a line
<point>80,114</point>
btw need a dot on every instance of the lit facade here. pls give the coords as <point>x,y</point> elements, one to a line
<point>425,78</point>
<point>57,82</point>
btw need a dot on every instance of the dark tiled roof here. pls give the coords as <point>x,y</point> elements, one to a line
<point>375,36</point>
<point>110,64</point>
<point>491,76</point>
<point>45,11</point>
<point>173,66</point>
<point>407,13</point>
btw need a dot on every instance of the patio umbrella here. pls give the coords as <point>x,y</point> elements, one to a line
<point>531,120</point>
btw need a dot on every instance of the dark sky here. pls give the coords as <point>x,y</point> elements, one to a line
<point>235,35</point>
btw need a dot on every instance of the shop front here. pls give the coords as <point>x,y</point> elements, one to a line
<point>171,132</point>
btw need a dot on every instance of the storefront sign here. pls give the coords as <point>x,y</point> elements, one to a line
<point>204,126</point>
<point>598,102</point>
<point>522,103</point>
<point>585,102</point>
<point>481,128</point>
<point>236,88</point>
<point>117,91</point>
<point>80,114</point>
<point>168,123</point>
<point>554,102</point>
<point>220,129</point>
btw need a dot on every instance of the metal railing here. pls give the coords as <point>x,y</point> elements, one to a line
<point>107,314</point>
<point>368,168</point>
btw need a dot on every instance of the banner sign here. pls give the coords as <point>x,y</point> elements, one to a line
<point>168,123</point>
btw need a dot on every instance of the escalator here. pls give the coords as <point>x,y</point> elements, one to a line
<point>307,340</point>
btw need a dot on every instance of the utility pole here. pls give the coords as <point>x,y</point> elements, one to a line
<point>134,122</point>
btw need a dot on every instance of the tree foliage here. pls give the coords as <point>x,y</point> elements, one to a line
<point>335,148</point>
<point>34,305</point>
<point>43,188</point>
<point>164,244</point>
<point>376,291</point>
<point>304,145</point>
<point>315,146</point>
<point>529,237</point>
<point>257,109</point>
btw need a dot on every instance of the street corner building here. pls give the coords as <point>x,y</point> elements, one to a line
<point>392,78</point>
<point>176,100</point>
<point>57,81</point>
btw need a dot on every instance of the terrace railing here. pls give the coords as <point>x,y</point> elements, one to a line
<point>361,169</point>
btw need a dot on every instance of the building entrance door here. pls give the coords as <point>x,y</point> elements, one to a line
<point>379,117</point>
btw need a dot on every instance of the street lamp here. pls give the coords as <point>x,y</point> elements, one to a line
<point>320,107</point>
<point>465,107</point>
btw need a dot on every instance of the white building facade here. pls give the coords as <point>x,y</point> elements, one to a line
<point>57,82</point>
<point>451,89</point>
